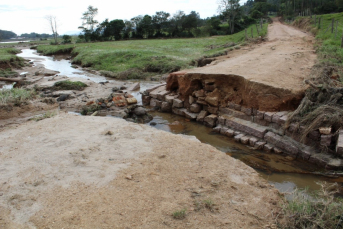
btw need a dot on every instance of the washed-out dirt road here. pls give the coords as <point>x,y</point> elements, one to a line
<point>282,62</point>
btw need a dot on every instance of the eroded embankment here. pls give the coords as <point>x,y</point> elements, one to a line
<point>236,89</point>
<point>253,113</point>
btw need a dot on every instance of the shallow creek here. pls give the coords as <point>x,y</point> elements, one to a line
<point>284,173</point>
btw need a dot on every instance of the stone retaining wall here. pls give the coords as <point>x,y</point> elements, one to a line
<point>261,130</point>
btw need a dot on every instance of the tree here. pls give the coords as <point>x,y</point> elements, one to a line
<point>146,26</point>
<point>230,9</point>
<point>88,21</point>
<point>160,22</point>
<point>53,26</point>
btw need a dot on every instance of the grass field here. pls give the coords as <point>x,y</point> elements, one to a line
<point>8,58</point>
<point>137,58</point>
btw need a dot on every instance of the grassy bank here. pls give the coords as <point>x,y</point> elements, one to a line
<point>8,58</point>
<point>137,58</point>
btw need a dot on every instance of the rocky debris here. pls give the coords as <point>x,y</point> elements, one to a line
<point>213,98</point>
<point>325,130</point>
<point>268,148</point>
<point>238,137</point>
<point>139,111</point>
<point>146,100</point>
<point>137,114</point>
<point>170,98</point>
<point>212,110</point>
<point>159,93</point>
<point>199,93</point>
<point>180,112</point>
<point>155,103</point>
<point>260,144</point>
<point>190,115</point>
<point>63,97</point>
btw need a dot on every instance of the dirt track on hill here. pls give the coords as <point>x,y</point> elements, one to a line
<point>282,62</point>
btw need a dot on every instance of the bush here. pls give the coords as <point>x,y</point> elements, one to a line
<point>16,96</point>
<point>66,39</point>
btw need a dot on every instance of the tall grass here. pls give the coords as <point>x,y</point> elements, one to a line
<point>315,210</point>
<point>8,55</point>
<point>15,96</point>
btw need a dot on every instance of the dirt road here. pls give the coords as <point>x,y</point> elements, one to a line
<point>282,62</point>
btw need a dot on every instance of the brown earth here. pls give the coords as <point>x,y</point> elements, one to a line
<point>268,76</point>
<point>71,171</point>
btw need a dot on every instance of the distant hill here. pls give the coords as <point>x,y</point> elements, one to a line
<point>4,34</point>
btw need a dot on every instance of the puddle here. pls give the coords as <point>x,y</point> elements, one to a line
<point>285,175</point>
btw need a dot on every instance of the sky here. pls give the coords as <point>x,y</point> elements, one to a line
<point>22,16</point>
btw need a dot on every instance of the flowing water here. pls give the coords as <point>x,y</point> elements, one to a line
<point>284,173</point>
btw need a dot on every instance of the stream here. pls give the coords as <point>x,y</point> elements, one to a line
<point>282,172</point>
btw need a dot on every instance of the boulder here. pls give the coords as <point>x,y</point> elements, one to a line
<point>199,93</point>
<point>191,100</point>
<point>190,115</point>
<point>268,148</point>
<point>212,110</point>
<point>238,137</point>
<point>139,111</point>
<point>229,133</point>
<point>155,103</point>
<point>268,116</point>
<point>170,98</point>
<point>159,93</point>
<point>146,100</point>
<point>213,98</point>
<point>180,112</point>
<point>134,87</point>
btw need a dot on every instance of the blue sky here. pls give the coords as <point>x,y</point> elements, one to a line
<point>22,16</point>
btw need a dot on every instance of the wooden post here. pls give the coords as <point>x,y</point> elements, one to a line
<point>252,33</point>
<point>332,25</point>
<point>319,22</point>
<point>261,23</point>
<point>258,32</point>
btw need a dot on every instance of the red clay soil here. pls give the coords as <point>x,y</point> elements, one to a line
<point>269,76</point>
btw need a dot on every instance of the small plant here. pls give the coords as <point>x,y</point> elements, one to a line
<point>179,214</point>
<point>16,96</point>
<point>43,116</point>
<point>209,204</point>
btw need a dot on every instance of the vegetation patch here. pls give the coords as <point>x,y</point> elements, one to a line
<point>315,210</point>
<point>181,214</point>
<point>8,58</point>
<point>43,116</point>
<point>69,85</point>
<point>55,49</point>
<point>8,73</point>
<point>16,96</point>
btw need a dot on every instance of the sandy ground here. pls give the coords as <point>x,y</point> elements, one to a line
<point>282,62</point>
<point>72,171</point>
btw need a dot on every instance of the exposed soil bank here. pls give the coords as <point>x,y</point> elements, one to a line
<point>123,175</point>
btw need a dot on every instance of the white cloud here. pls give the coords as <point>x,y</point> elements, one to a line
<point>24,16</point>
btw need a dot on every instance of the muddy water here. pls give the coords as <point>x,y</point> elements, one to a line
<point>283,173</point>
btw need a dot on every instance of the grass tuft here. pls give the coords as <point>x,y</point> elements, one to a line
<point>179,214</point>
<point>16,96</point>
<point>69,85</point>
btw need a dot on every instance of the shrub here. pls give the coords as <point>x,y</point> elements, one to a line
<point>69,85</point>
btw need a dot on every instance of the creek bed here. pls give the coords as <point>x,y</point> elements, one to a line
<point>285,174</point>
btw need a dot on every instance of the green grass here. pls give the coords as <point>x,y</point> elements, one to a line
<point>8,58</point>
<point>179,214</point>
<point>43,116</point>
<point>314,210</point>
<point>136,57</point>
<point>16,96</point>
<point>8,73</point>
<point>69,85</point>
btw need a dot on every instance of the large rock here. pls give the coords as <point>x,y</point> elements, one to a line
<point>201,116</point>
<point>234,113</point>
<point>177,103</point>
<point>282,143</point>
<point>211,120</point>
<point>190,115</point>
<point>180,112</point>
<point>191,100</point>
<point>146,100</point>
<point>199,93</point>
<point>166,107</point>
<point>170,98</point>
<point>155,103</point>
<point>213,98</point>
<point>159,93</point>
<point>139,111</point>
<point>134,87</point>
<point>245,126</point>
<point>212,110</point>
<point>195,108</point>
